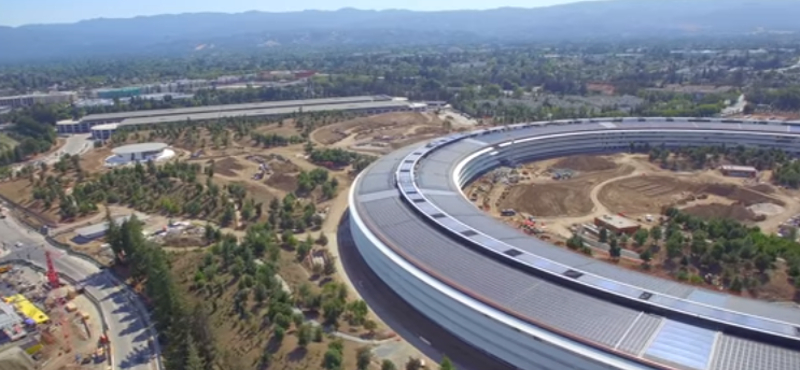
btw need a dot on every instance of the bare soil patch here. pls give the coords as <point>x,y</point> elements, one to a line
<point>763,188</point>
<point>566,198</point>
<point>585,163</point>
<point>383,126</point>
<point>744,195</point>
<point>736,212</point>
<point>282,181</point>
<point>549,200</point>
<point>649,194</point>
<point>287,129</point>
<point>228,167</point>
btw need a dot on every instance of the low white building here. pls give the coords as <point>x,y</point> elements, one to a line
<point>139,153</point>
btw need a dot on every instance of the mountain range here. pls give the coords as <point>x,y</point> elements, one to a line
<point>184,33</point>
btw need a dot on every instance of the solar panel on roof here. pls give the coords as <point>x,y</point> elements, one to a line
<point>513,252</point>
<point>428,209</point>
<point>453,225</point>
<point>543,264</point>
<point>490,243</point>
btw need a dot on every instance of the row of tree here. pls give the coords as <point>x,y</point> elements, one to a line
<point>183,331</point>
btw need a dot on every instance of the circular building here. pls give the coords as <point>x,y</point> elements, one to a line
<point>139,153</point>
<point>534,305</point>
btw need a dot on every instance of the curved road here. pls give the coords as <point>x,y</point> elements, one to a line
<point>129,328</point>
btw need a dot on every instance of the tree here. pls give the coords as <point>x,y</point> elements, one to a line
<point>646,256</point>
<point>446,364</point>
<point>736,285</point>
<point>388,365</point>
<point>318,334</point>
<point>640,237</point>
<point>323,239</point>
<point>414,364</point>
<point>304,334</point>
<point>656,233</point>
<point>279,334</point>
<point>575,242</point>
<point>193,359</point>
<point>615,252</point>
<point>332,360</point>
<point>363,358</point>
<point>329,266</point>
<point>370,325</point>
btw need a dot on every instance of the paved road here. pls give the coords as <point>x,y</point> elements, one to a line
<point>424,334</point>
<point>128,331</point>
<point>74,145</point>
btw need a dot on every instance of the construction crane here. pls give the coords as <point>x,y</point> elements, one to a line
<point>60,313</point>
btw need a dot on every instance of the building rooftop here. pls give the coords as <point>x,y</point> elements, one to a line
<point>139,148</point>
<point>738,168</point>
<point>107,126</point>
<point>40,94</point>
<point>618,221</point>
<point>8,316</point>
<point>230,107</point>
<point>261,112</point>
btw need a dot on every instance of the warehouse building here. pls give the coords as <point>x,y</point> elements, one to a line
<point>359,104</point>
<point>739,171</point>
<point>617,224</point>
<point>21,101</point>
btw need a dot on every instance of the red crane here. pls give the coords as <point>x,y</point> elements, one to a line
<point>60,311</point>
<point>52,274</point>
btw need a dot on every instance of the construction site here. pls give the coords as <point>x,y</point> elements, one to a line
<point>48,323</point>
<point>557,199</point>
<point>565,192</point>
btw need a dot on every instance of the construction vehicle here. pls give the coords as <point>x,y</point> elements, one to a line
<point>4,269</point>
<point>99,355</point>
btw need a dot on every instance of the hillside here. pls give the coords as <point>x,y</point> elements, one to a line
<point>175,34</point>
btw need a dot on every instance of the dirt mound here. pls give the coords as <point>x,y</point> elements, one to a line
<point>282,181</point>
<point>284,167</point>
<point>746,196</point>
<point>227,166</point>
<point>549,200</point>
<point>736,212</point>
<point>763,188</point>
<point>585,163</point>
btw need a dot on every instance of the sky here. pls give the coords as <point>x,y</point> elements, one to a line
<point>20,12</point>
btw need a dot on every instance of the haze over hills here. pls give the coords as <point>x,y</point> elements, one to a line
<point>181,34</point>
